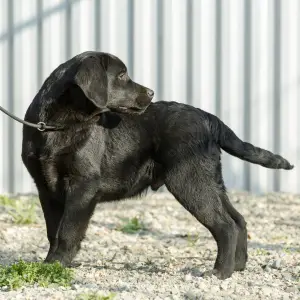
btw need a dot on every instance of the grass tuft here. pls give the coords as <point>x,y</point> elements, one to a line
<point>28,273</point>
<point>22,212</point>
<point>132,226</point>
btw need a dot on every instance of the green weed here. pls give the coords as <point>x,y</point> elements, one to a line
<point>28,273</point>
<point>22,212</point>
<point>131,226</point>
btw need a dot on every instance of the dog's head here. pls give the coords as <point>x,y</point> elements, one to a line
<point>104,80</point>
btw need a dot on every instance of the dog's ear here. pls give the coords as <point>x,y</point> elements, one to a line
<point>91,77</point>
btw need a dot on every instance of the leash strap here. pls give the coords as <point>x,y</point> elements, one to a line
<point>41,126</point>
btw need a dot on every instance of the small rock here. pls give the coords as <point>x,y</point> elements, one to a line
<point>276,264</point>
<point>224,285</point>
<point>287,276</point>
<point>292,289</point>
<point>75,286</point>
<point>91,286</point>
<point>175,297</point>
<point>188,277</point>
<point>196,272</point>
<point>215,289</point>
<point>285,296</point>
<point>192,296</point>
<point>266,290</point>
<point>266,268</point>
<point>5,288</point>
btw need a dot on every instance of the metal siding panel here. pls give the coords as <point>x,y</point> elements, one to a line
<point>160,44</point>
<point>208,53</point>
<point>289,86</point>
<point>222,77</point>
<point>189,51</point>
<point>3,97</point>
<point>220,31</point>
<point>11,99</point>
<point>247,82</point>
<point>86,29</point>
<point>233,104</point>
<point>68,40</point>
<point>121,37</point>
<point>131,40</point>
<point>261,102</point>
<point>207,56</point>
<point>97,28</point>
<point>145,42</point>
<point>196,54</point>
<point>179,54</point>
<point>277,86</point>
<point>298,110</point>
<point>167,51</point>
<point>53,42</point>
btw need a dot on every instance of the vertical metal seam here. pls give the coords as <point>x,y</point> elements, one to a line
<point>160,49</point>
<point>247,83</point>
<point>189,51</point>
<point>298,127</point>
<point>160,59</point>
<point>39,9</point>
<point>68,29</point>
<point>11,102</point>
<point>277,86</point>
<point>131,37</point>
<point>218,57</point>
<point>97,18</point>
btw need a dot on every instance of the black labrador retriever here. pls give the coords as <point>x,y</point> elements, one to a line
<point>112,143</point>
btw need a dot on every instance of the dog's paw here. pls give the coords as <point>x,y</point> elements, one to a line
<point>219,274</point>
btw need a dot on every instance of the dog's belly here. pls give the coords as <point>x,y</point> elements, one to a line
<point>121,181</point>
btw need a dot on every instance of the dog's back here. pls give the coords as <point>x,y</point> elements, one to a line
<point>185,128</point>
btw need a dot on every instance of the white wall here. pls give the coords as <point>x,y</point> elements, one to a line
<point>237,59</point>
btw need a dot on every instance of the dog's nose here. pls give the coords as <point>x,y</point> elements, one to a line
<point>150,93</point>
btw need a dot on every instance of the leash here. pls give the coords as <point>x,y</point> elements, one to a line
<point>41,126</point>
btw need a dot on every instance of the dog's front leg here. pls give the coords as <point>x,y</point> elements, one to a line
<point>79,207</point>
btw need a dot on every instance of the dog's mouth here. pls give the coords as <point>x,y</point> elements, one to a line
<point>129,110</point>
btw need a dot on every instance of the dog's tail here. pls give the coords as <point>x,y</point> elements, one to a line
<point>230,143</point>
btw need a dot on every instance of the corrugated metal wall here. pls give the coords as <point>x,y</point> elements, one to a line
<point>238,59</point>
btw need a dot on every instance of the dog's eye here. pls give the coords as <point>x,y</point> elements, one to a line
<point>122,75</point>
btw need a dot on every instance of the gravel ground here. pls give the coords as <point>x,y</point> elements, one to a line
<point>166,260</point>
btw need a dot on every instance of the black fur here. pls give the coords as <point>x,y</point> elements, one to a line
<point>115,155</point>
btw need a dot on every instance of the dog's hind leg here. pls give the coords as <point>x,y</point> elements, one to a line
<point>79,207</point>
<point>200,194</point>
<point>52,203</point>
<point>241,255</point>
<point>53,211</point>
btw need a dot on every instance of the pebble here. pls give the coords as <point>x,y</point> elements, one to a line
<point>192,296</point>
<point>188,277</point>
<point>287,276</point>
<point>276,264</point>
<point>75,286</point>
<point>292,289</point>
<point>266,290</point>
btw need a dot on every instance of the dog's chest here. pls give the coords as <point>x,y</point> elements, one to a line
<point>122,161</point>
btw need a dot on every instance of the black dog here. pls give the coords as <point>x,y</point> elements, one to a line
<point>105,156</point>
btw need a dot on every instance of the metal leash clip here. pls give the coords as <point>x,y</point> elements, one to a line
<point>42,126</point>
